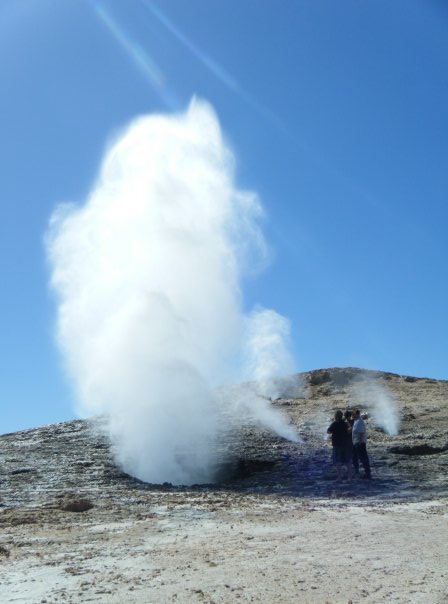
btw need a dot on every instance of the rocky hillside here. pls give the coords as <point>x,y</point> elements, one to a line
<point>70,464</point>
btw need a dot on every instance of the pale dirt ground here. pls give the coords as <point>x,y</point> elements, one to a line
<point>233,548</point>
<point>282,532</point>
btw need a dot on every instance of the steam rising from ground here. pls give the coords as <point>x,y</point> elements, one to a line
<point>383,405</point>
<point>148,276</point>
<point>268,360</point>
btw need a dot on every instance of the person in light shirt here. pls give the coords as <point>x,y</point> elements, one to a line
<point>359,438</point>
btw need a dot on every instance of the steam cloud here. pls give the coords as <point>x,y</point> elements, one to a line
<point>384,406</point>
<point>148,278</point>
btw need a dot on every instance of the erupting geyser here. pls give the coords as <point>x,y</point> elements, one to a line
<point>148,278</point>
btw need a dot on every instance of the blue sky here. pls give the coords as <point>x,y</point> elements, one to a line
<point>337,114</point>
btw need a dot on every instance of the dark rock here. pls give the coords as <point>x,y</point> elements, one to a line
<point>317,378</point>
<point>424,449</point>
<point>76,505</point>
<point>248,467</point>
<point>4,552</point>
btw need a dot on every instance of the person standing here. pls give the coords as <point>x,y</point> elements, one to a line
<point>359,438</point>
<point>349,421</point>
<point>339,436</point>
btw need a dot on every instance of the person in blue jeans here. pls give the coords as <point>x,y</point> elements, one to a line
<point>359,439</point>
<point>349,421</point>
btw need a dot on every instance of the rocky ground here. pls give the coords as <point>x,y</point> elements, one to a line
<point>276,528</point>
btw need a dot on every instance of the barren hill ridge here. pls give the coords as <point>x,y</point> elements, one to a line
<point>40,464</point>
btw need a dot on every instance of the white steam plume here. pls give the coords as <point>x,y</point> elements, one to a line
<point>268,358</point>
<point>147,274</point>
<point>267,371</point>
<point>382,403</point>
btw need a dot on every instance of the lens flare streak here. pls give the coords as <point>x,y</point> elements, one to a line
<point>137,54</point>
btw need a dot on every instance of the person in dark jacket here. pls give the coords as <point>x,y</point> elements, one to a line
<point>339,440</point>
